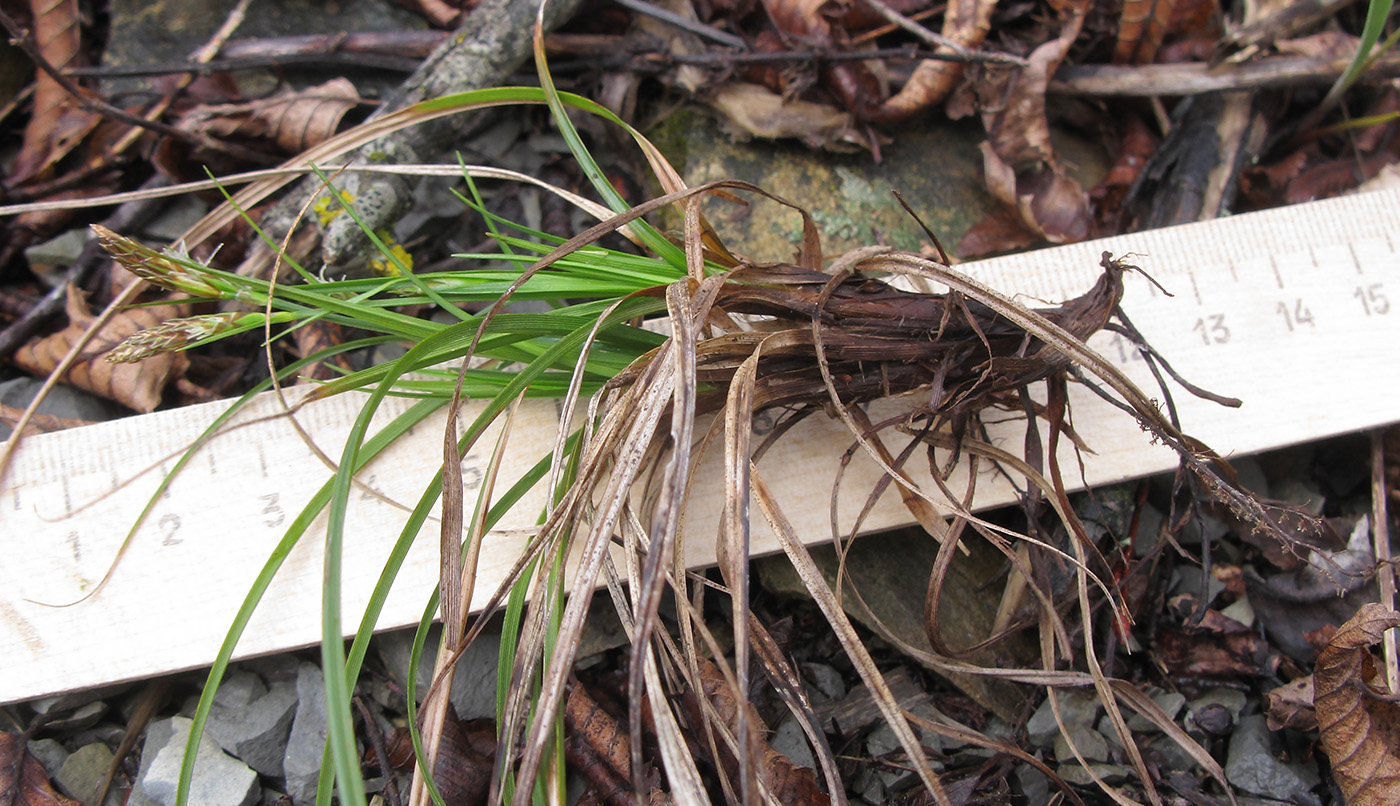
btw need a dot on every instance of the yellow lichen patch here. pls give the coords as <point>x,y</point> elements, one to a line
<point>327,208</point>
<point>397,261</point>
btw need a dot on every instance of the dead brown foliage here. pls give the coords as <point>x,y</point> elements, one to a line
<point>137,386</point>
<point>23,781</point>
<point>1356,711</point>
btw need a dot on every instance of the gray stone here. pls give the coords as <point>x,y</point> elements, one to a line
<point>174,219</point>
<point>882,739</point>
<point>63,401</point>
<point>1193,581</point>
<point>302,763</point>
<point>1035,786</point>
<point>825,680</point>
<point>1076,707</point>
<point>1210,703</point>
<point>1169,701</point>
<point>84,771</point>
<point>1168,754</point>
<point>144,32</point>
<point>1253,765</point>
<point>1240,610</point>
<point>50,753</point>
<point>473,684</point>
<point>252,723</point>
<point>218,779</point>
<point>1090,743</point>
<point>789,740</point>
<point>62,250</point>
<point>1110,773</point>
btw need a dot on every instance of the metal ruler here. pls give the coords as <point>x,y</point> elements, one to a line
<point>1296,311</point>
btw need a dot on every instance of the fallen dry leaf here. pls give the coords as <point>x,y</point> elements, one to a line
<point>294,120</point>
<point>1216,647</point>
<point>39,423</point>
<point>58,124</point>
<point>999,232</point>
<point>1141,28</point>
<point>761,113</point>
<point>1291,706</point>
<point>22,778</point>
<point>137,386</point>
<point>1360,725</point>
<point>1021,167</point>
<point>854,84</point>
<point>966,23</point>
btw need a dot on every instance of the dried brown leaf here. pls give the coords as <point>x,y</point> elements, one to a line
<point>1141,27</point>
<point>465,757</point>
<point>39,423</point>
<point>294,120</point>
<point>761,113</point>
<point>597,744</point>
<point>800,18</point>
<point>788,782</point>
<point>1359,722</point>
<point>1291,706</point>
<point>999,232</point>
<point>1217,647</point>
<point>1021,166</point>
<point>966,23</point>
<point>22,778</point>
<point>137,386</point>
<point>58,124</point>
<point>1136,145</point>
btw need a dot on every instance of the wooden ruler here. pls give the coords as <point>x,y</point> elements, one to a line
<point>1296,311</point>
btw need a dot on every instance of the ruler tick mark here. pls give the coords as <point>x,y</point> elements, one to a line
<point>1234,275</point>
<point>1195,290</point>
<point>1273,264</point>
<point>1356,261</point>
<point>262,461</point>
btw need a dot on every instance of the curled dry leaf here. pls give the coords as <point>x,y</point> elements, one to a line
<point>294,120</point>
<point>1360,723</point>
<point>788,782</point>
<point>966,23</point>
<point>761,113</point>
<point>1291,706</point>
<point>57,124</point>
<point>1141,27</point>
<point>598,746</point>
<point>1021,166</point>
<point>137,386</point>
<point>39,423</point>
<point>22,778</point>
<point>808,21</point>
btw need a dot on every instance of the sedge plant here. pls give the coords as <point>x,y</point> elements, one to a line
<point>811,338</point>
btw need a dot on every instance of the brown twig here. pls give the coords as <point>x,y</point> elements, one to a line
<point>1197,78</point>
<point>684,23</point>
<point>1380,540</point>
<point>391,50</point>
<point>93,103</point>
<point>938,40</point>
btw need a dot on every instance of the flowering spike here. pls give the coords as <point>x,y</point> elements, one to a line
<point>170,335</point>
<point>167,269</point>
